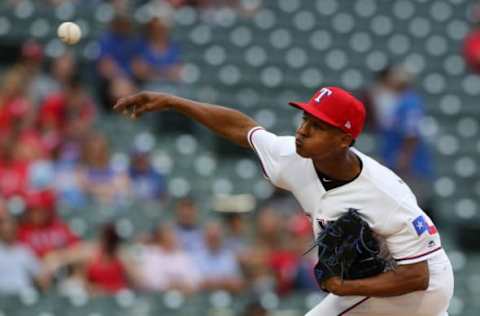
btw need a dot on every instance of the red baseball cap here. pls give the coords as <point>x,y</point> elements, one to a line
<point>336,107</point>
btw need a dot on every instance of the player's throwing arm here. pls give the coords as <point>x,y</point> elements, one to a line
<point>228,123</point>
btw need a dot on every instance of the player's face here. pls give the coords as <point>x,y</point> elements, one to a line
<point>318,140</point>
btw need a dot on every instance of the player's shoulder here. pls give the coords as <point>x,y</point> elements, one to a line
<point>280,145</point>
<point>383,180</point>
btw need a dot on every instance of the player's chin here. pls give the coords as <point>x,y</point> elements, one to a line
<point>301,152</point>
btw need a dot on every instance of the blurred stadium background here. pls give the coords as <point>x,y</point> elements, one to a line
<point>100,201</point>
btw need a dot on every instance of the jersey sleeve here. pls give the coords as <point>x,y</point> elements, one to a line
<point>416,240</point>
<point>269,147</point>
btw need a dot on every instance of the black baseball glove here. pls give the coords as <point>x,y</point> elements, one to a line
<point>347,248</point>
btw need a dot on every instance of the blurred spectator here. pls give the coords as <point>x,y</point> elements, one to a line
<point>255,308</point>
<point>39,82</point>
<point>68,114</point>
<point>236,237</point>
<point>399,113</point>
<point>41,229</point>
<point>147,183</point>
<point>106,272</point>
<point>158,57</point>
<point>284,260</point>
<point>63,70</point>
<point>19,268</point>
<point>187,227</point>
<point>165,266</point>
<point>218,266</point>
<point>293,270</point>
<point>13,172</point>
<point>74,284</point>
<point>118,46</point>
<point>16,111</point>
<point>103,266</point>
<point>471,50</point>
<point>70,180</point>
<point>17,119</point>
<point>269,228</point>
<point>282,202</point>
<point>471,43</point>
<point>103,184</point>
<point>256,261</point>
<point>41,175</point>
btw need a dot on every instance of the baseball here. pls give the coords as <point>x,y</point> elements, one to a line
<point>69,32</point>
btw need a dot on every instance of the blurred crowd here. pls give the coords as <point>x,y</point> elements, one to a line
<point>52,157</point>
<point>233,252</point>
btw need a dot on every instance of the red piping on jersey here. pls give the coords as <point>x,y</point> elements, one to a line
<point>256,129</point>
<point>353,306</point>
<point>251,134</point>
<point>420,255</point>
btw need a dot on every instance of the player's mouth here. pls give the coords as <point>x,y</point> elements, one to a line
<point>298,143</point>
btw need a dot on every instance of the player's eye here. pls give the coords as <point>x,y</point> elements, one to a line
<point>318,126</point>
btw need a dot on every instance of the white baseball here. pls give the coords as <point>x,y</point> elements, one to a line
<point>69,32</point>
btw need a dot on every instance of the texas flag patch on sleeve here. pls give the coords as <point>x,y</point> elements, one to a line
<point>421,226</point>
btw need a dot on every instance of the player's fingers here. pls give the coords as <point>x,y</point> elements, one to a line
<point>121,105</point>
<point>126,103</point>
<point>137,110</point>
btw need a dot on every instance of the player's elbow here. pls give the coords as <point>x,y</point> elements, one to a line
<point>417,275</point>
<point>422,280</point>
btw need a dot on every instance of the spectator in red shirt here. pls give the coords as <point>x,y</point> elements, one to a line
<point>103,266</point>
<point>471,43</point>
<point>106,272</point>
<point>471,50</point>
<point>16,112</point>
<point>13,174</point>
<point>68,114</point>
<point>41,229</point>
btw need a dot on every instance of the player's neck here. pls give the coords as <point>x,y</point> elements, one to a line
<point>344,167</point>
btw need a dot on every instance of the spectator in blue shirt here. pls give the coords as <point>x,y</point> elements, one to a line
<point>218,265</point>
<point>158,57</point>
<point>399,113</point>
<point>147,183</point>
<point>187,227</point>
<point>118,47</point>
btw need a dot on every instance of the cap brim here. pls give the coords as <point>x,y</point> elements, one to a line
<point>307,108</point>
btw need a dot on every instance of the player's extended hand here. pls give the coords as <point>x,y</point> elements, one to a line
<point>135,105</point>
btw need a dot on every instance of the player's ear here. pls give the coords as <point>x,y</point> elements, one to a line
<point>346,141</point>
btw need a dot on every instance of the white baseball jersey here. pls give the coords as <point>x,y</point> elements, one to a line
<point>384,200</point>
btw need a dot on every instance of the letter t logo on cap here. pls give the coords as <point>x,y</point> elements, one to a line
<point>323,92</point>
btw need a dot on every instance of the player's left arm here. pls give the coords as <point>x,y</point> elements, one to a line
<point>404,279</point>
